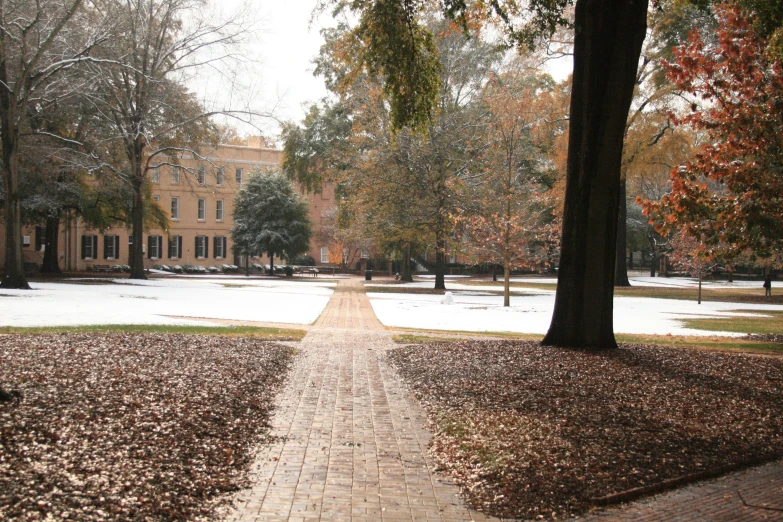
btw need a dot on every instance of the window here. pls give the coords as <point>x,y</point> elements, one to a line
<point>239,176</point>
<point>155,247</point>
<point>220,247</point>
<point>201,174</point>
<point>324,255</point>
<point>40,238</point>
<point>202,247</point>
<point>156,199</point>
<point>174,207</point>
<point>202,209</point>
<point>89,246</point>
<point>175,247</point>
<point>155,175</point>
<point>219,210</point>
<point>111,247</point>
<point>219,176</point>
<point>26,241</point>
<point>175,175</point>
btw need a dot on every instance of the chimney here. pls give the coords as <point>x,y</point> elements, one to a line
<point>256,142</point>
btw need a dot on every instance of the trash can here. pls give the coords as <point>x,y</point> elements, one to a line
<point>368,275</point>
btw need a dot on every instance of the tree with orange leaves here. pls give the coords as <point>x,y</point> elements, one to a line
<point>729,195</point>
<point>514,224</point>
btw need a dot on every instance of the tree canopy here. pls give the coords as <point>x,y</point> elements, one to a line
<point>269,216</point>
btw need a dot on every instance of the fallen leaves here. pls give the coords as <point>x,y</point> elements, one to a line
<point>130,426</point>
<point>530,431</point>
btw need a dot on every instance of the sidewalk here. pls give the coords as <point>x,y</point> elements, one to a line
<point>353,445</point>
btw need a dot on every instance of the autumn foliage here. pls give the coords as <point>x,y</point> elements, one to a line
<point>729,195</point>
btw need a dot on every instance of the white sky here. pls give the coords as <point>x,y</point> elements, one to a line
<point>283,47</point>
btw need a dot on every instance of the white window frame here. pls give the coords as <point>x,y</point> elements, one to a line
<point>155,247</point>
<point>155,175</point>
<point>178,254</point>
<point>324,254</point>
<point>156,199</point>
<point>92,255</point>
<point>219,210</point>
<point>175,175</point>
<point>201,175</point>
<point>239,174</point>
<point>203,247</point>
<point>220,176</point>
<point>110,246</point>
<point>220,249</point>
<point>202,209</point>
<point>175,208</point>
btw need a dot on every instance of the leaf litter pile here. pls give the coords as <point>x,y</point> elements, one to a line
<point>129,426</point>
<point>530,432</point>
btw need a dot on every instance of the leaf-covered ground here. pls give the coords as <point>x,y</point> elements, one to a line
<point>131,426</point>
<point>531,431</point>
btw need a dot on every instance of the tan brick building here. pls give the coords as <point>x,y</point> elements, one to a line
<point>199,197</point>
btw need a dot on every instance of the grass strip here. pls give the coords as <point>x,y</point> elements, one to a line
<point>256,332</point>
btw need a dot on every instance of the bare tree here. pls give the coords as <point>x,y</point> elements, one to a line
<point>37,43</point>
<point>150,117</point>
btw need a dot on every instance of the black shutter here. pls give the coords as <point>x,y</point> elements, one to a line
<point>198,240</point>
<point>150,239</point>
<point>95,246</point>
<point>206,247</point>
<point>159,242</point>
<point>225,247</point>
<point>171,244</point>
<point>215,246</point>
<point>179,247</point>
<point>40,238</point>
<point>84,247</point>
<point>106,240</point>
<point>116,247</point>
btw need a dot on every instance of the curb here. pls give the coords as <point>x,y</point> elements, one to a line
<point>668,484</point>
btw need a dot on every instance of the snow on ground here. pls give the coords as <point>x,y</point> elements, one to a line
<point>532,313</point>
<point>661,282</point>
<point>151,301</point>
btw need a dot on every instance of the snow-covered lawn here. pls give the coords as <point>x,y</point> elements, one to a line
<point>164,301</point>
<point>475,311</point>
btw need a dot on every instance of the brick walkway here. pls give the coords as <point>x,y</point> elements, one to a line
<point>754,494</point>
<point>353,441</point>
<point>353,445</point>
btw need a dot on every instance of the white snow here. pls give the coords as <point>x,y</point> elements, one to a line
<point>532,313</point>
<point>151,301</point>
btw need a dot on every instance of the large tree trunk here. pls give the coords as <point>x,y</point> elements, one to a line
<point>621,269</point>
<point>51,264</point>
<point>440,264</point>
<point>137,228</point>
<point>608,41</point>
<point>406,264</point>
<point>13,275</point>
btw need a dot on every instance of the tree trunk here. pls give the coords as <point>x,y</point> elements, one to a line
<point>51,263</point>
<point>608,41</point>
<point>137,229</point>
<point>621,270</point>
<point>440,264</point>
<point>13,275</point>
<point>271,263</point>
<point>406,264</point>
<point>506,284</point>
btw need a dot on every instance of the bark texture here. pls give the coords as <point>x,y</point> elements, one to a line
<point>608,41</point>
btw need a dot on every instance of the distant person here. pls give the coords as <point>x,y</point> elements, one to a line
<point>768,285</point>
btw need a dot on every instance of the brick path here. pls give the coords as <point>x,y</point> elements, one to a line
<point>353,443</point>
<point>754,494</point>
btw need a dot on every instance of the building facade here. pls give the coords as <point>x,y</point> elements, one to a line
<point>198,194</point>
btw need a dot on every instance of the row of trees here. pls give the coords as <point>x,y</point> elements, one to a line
<point>623,136</point>
<point>92,96</point>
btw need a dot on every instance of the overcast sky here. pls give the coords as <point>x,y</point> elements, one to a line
<point>283,46</point>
